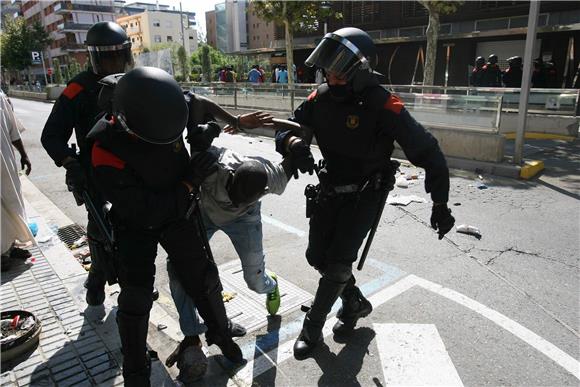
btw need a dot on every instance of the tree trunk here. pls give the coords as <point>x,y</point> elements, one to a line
<point>289,49</point>
<point>431,52</point>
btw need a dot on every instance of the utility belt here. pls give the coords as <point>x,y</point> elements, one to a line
<point>383,180</point>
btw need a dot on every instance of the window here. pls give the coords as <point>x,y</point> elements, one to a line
<point>169,38</point>
<point>133,40</point>
<point>157,38</point>
<point>496,4</point>
<point>131,25</point>
<point>156,23</point>
<point>257,25</point>
<point>267,36</point>
<point>413,9</point>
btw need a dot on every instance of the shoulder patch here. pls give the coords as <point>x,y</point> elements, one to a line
<point>394,104</point>
<point>312,95</point>
<point>103,158</point>
<point>72,90</point>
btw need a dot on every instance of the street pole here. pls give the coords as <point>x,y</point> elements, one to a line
<point>181,22</point>
<point>43,67</point>
<point>526,80</point>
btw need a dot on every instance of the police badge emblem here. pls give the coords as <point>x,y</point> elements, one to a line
<point>352,122</point>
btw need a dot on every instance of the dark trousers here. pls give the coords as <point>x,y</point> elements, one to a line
<point>338,227</point>
<point>198,275</point>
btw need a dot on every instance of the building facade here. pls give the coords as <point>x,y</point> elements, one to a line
<point>261,34</point>
<point>146,29</point>
<point>477,28</point>
<point>10,8</point>
<point>210,28</point>
<point>67,22</point>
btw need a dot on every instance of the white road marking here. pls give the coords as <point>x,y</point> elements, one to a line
<point>284,351</point>
<point>414,355</point>
<point>542,345</point>
<point>283,226</point>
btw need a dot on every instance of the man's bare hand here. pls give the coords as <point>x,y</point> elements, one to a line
<point>255,120</point>
<point>251,121</point>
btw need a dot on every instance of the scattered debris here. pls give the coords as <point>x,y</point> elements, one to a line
<point>482,186</point>
<point>228,296</point>
<point>44,239</point>
<point>457,204</point>
<point>82,241</point>
<point>402,182</point>
<point>469,230</point>
<point>404,200</point>
<point>161,327</point>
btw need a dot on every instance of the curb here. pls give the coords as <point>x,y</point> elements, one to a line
<point>48,217</point>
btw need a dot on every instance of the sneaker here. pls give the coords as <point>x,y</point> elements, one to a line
<point>273,298</point>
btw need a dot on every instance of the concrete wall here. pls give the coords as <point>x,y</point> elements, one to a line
<point>27,95</point>
<point>539,123</point>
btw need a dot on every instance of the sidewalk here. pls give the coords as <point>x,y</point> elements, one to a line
<point>79,345</point>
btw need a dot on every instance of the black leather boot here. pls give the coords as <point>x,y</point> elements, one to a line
<point>136,361</point>
<point>311,334</point>
<point>219,327</point>
<point>354,306</point>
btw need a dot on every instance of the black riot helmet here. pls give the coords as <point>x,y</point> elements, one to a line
<point>492,59</point>
<point>479,61</point>
<point>515,61</point>
<point>109,48</point>
<point>344,52</point>
<point>149,103</point>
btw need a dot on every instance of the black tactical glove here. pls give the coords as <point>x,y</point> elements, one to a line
<point>441,219</point>
<point>301,157</point>
<point>75,179</point>
<point>201,165</point>
<point>202,138</point>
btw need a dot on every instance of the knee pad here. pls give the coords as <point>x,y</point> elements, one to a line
<point>337,272</point>
<point>135,301</point>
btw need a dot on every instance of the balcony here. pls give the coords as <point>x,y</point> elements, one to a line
<point>73,47</point>
<point>73,27</point>
<point>66,7</point>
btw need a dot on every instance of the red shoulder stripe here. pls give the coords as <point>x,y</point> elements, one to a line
<point>103,158</point>
<point>312,95</point>
<point>72,90</point>
<point>394,104</point>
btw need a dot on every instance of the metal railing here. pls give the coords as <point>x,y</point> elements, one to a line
<point>432,110</point>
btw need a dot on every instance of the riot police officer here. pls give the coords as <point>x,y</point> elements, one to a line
<point>109,52</point>
<point>355,122</point>
<point>512,76</point>
<point>141,166</point>
<point>491,76</point>
<point>477,72</point>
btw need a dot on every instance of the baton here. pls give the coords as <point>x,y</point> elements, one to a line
<point>103,229</point>
<point>363,257</point>
<point>194,209</point>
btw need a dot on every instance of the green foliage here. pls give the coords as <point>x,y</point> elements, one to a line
<point>183,65</point>
<point>301,15</point>
<point>57,74</point>
<point>18,40</point>
<point>441,7</point>
<point>205,63</point>
<point>74,68</point>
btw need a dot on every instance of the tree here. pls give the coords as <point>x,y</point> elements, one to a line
<point>57,71</point>
<point>182,59</point>
<point>18,40</point>
<point>435,9</point>
<point>294,16</point>
<point>74,68</point>
<point>206,63</point>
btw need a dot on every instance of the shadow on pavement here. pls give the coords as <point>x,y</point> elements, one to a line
<point>343,368</point>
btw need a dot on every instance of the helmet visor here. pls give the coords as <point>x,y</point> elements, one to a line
<point>337,55</point>
<point>107,60</point>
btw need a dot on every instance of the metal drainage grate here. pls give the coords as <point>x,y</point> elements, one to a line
<point>249,308</point>
<point>70,234</point>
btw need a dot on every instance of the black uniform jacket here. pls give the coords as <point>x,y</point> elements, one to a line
<point>76,108</point>
<point>356,137</point>
<point>143,181</point>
